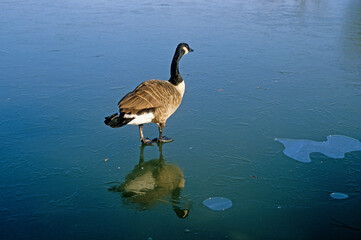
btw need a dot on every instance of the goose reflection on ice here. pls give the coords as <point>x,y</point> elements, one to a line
<point>153,182</point>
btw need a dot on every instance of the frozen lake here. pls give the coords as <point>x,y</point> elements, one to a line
<point>260,70</point>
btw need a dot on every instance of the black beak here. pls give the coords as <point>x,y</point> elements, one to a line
<point>191,50</point>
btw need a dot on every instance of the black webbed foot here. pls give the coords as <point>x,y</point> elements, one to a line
<point>163,140</point>
<point>147,141</point>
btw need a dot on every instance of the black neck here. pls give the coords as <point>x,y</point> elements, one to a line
<point>175,77</point>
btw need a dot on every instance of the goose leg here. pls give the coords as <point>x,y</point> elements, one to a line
<point>161,138</point>
<point>142,139</point>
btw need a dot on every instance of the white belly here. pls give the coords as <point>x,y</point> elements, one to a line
<point>140,119</point>
<point>142,184</point>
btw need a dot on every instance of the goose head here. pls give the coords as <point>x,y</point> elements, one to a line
<point>183,49</point>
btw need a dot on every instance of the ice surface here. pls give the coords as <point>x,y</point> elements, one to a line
<point>335,147</point>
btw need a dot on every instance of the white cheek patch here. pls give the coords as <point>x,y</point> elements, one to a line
<point>140,119</point>
<point>185,50</point>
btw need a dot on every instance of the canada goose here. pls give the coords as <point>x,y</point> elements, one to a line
<point>153,101</point>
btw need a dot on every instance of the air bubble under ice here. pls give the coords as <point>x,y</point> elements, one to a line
<point>337,195</point>
<point>217,203</point>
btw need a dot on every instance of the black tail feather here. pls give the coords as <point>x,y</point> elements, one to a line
<point>116,121</point>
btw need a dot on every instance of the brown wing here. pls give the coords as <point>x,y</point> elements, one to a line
<point>144,97</point>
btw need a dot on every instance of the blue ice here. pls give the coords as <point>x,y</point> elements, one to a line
<point>217,203</point>
<point>335,147</point>
<point>337,195</point>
